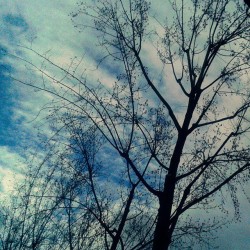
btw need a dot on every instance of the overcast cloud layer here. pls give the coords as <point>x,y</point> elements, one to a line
<point>46,25</point>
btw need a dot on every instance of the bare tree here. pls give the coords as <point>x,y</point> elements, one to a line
<point>63,205</point>
<point>177,153</point>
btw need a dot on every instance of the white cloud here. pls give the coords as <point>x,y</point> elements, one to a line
<point>12,166</point>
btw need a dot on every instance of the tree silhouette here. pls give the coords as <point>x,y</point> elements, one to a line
<point>173,129</point>
<point>247,2</point>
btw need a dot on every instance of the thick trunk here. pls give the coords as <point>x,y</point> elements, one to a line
<point>164,229</point>
<point>163,232</point>
<point>162,237</point>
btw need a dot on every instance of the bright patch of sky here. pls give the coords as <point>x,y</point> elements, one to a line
<point>46,25</point>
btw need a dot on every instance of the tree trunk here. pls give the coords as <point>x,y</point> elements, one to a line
<point>162,235</point>
<point>162,239</point>
<point>163,232</point>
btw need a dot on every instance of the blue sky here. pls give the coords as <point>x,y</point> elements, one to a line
<point>21,24</point>
<point>46,25</point>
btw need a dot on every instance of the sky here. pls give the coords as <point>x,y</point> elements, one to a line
<point>45,25</point>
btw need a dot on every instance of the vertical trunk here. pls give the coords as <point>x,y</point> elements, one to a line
<point>163,233</point>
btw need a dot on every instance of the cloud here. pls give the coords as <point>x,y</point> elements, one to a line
<point>12,166</point>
